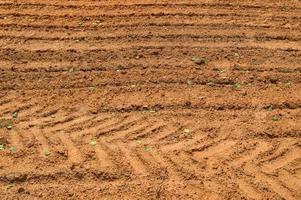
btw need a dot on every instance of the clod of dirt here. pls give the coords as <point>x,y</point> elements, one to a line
<point>21,190</point>
<point>3,141</point>
<point>199,61</point>
<point>155,53</point>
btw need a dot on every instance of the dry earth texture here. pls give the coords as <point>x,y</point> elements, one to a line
<point>130,99</point>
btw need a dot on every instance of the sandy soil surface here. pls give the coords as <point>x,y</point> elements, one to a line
<point>131,99</point>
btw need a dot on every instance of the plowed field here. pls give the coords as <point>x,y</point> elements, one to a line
<point>130,99</point>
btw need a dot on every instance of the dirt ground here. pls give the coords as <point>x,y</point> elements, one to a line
<point>131,99</point>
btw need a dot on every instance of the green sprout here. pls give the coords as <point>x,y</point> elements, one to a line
<point>12,148</point>
<point>47,152</point>
<point>93,142</point>
<point>15,114</point>
<point>237,85</point>
<point>289,83</point>
<point>189,82</point>
<point>9,127</point>
<point>186,131</point>
<point>276,117</point>
<point>71,70</point>
<point>10,186</point>
<point>270,108</point>
<point>1,147</point>
<point>138,142</point>
<point>147,148</point>
<point>222,70</point>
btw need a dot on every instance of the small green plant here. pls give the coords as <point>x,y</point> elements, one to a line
<point>1,147</point>
<point>15,114</point>
<point>10,186</point>
<point>71,70</point>
<point>186,131</point>
<point>119,68</point>
<point>222,70</point>
<point>12,148</point>
<point>189,82</point>
<point>276,117</point>
<point>138,142</point>
<point>237,85</point>
<point>9,127</point>
<point>289,83</point>
<point>47,152</point>
<point>270,108</point>
<point>147,148</point>
<point>210,83</point>
<point>93,142</point>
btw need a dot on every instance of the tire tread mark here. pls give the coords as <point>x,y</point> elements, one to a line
<point>274,184</point>
<point>102,155</point>
<point>120,125</point>
<point>132,158</point>
<point>166,132</point>
<point>39,136</point>
<point>64,125</point>
<point>148,132</point>
<point>197,136</point>
<point>283,160</point>
<point>16,139</point>
<point>214,149</point>
<point>248,189</point>
<point>97,125</point>
<point>74,155</point>
<point>260,148</point>
<point>132,130</point>
<point>290,181</point>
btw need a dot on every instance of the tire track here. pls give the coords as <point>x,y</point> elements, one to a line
<point>109,101</point>
<point>74,154</point>
<point>135,162</point>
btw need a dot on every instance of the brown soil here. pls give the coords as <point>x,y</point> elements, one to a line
<point>181,99</point>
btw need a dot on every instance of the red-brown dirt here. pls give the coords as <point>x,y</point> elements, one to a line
<point>103,100</point>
